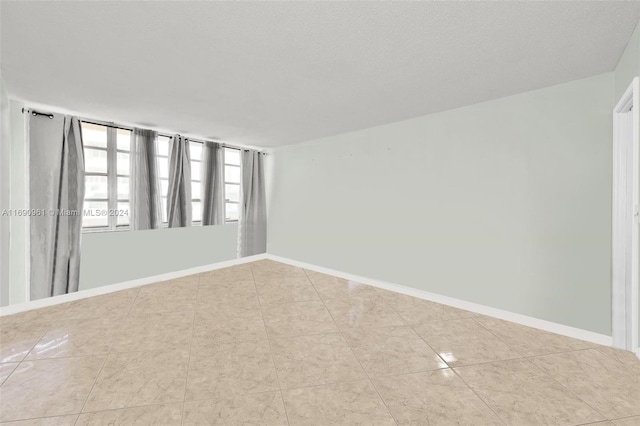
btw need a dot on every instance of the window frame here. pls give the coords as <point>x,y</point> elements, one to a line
<point>112,176</point>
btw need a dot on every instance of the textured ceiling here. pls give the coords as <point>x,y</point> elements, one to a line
<point>274,73</point>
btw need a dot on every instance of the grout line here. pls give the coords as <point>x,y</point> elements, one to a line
<point>193,323</point>
<point>273,361</point>
<point>352,353</point>
<point>457,375</point>
<point>92,386</point>
<point>478,396</point>
<point>567,388</point>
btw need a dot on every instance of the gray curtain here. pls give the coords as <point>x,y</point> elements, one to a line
<point>252,237</point>
<point>145,193</point>
<point>212,184</point>
<point>56,187</point>
<point>179,195</point>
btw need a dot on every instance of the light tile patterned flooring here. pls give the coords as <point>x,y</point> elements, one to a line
<point>267,343</point>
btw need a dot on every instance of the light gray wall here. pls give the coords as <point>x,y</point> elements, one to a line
<point>504,203</point>
<point>627,69</point>
<point>5,194</point>
<point>629,64</point>
<point>113,257</point>
<point>19,199</point>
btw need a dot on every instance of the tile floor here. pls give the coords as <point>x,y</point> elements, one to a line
<point>270,344</point>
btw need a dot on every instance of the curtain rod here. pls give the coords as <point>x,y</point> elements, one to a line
<point>115,126</point>
<point>34,113</point>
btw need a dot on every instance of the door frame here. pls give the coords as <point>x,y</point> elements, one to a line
<point>625,235</point>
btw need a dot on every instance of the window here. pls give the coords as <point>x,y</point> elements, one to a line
<point>195,150</point>
<point>107,175</point>
<point>231,184</point>
<point>106,199</point>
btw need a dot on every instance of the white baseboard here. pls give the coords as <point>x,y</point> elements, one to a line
<point>110,288</point>
<point>552,327</point>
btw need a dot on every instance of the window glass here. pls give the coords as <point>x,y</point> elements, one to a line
<point>95,214</point>
<point>195,190</point>
<point>232,156</point>
<point>232,174</point>
<point>94,135</point>
<point>123,163</point>
<point>232,192</point>
<point>163,146</point>
<point>196,211</point>
<point>231,211</point>
<point>195,170</point>
<point>95,160</point>
<point>124,139</point>
<point>195,150</point>
<point>96,187</point>
<point>123,188</point>
<point>163,168</point>
<point>123,213</point>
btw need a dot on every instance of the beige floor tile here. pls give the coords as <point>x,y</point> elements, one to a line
<point>351,403</point>
<point>298,318</point>
<point>139,378</point>
<point>329,287</point>
<point>228,325</point>
<point>529,341</point>
<point>317,359</point>
<point>17,339</point>
<point>177,295</point>
<point>264,409</point>
<point>50,387</point>
<point>609,386</point>
<point>522,394</point>
<point>77,337</point>
<point>390,351</point>
<point>355,312</point>
<point>627,358</point>
<point>154,332</point>
<point>46,421</point>
<point>417,311</point>
<point>230,368</point>
<point>110,305</point>
<point>6,369</point>
<point>629,421</point>
<point>231,274</point>
<point>166,415</point>
<point>284,290</point>
<point>433,398</point>
<point>464,342</point>
<point>45,316</point>
<point>228,295</point>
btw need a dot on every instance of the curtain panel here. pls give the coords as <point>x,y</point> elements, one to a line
<point>252,230</point>
<point>212,184</point>
<point>56,187</point>
<point>145,192</point>
<point>179,194</point>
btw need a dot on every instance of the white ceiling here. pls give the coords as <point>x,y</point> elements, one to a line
<point>274,73</point>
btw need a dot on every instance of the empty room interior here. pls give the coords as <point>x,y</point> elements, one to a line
<point>319,213</point>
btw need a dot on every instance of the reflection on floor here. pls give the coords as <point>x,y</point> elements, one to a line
<point>267,343</point>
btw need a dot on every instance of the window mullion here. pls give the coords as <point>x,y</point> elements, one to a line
<point>112,193</point>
